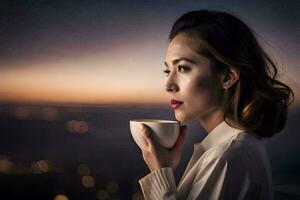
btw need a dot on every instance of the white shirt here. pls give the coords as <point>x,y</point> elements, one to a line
<point>229,164</point>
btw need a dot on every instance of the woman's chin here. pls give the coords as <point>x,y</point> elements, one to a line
<point>181,118</point>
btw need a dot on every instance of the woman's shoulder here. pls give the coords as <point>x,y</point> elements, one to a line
<point>244,146</point>
<point>247,143</point>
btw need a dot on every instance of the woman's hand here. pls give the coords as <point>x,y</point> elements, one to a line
<point>157,156</point>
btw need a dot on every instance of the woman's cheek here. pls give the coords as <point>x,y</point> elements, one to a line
<point>193,98</point>
<point>202,96</point>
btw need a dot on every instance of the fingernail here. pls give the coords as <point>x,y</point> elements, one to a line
<point>141,126</point>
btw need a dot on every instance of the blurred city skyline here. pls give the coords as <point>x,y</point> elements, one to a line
<point>97,52</point>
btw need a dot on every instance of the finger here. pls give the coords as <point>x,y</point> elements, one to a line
<point>149,136</point>
<point>144,130</point>
<point>145,133</point>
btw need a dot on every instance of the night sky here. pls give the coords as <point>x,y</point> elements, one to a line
<point>103,51</point>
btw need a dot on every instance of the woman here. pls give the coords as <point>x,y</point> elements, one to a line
<point>218,74</point>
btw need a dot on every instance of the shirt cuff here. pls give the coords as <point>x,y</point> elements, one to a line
<point>158,183</point>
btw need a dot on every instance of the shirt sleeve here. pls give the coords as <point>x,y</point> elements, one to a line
<point>159,185</point>
<point>216,178</point>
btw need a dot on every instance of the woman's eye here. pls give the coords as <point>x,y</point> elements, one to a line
<point>166,71</point>
<point>183,67</point>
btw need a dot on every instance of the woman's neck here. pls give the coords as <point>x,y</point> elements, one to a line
<point>214,119</point>
<point>211,121</point>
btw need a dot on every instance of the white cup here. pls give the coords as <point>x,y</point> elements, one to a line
<point>165,132</point>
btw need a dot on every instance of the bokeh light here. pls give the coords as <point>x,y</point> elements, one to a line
<point>102,195</point>
<point>112,186</point>
<point>61,197</point>
<point>22,112</point>
<point>75,126</point>
<point>88,181</point>
<point>41,166</point>
<point>6,165</point>
<point>49,113</point>
<point>34,168</point>
<point>83,169</point>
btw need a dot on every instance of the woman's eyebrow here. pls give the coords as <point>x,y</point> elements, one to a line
<point>180,59</point>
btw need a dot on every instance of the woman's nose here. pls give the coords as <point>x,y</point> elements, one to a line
<point>171,86</point>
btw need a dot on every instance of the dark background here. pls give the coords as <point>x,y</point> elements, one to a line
<point>29,135</point>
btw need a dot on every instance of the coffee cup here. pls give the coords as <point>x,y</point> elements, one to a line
<point>165,132</point>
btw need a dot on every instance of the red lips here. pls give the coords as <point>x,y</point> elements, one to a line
<point>175,103</point>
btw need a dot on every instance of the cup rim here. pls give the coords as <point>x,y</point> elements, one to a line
<point>155,120</point>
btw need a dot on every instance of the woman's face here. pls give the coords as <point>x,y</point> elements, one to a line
<point>191,82</point>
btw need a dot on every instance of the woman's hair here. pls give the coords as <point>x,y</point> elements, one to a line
<point>257,101</point>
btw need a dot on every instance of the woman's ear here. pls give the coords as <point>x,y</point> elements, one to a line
<point>229,77</point>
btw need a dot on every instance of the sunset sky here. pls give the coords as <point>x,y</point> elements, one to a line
<point>107,52</point>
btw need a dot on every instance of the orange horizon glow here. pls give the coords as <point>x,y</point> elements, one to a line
<point>82,97</point>
<point>119,96</point>
<point>124,75</point>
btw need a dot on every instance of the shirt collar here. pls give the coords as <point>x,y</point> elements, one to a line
<point>219,134</point>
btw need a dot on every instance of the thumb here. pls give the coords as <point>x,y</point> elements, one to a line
<point>149,136</point>
<point>181,138</point>
<point>144,130</point>
<point>146,134</point>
